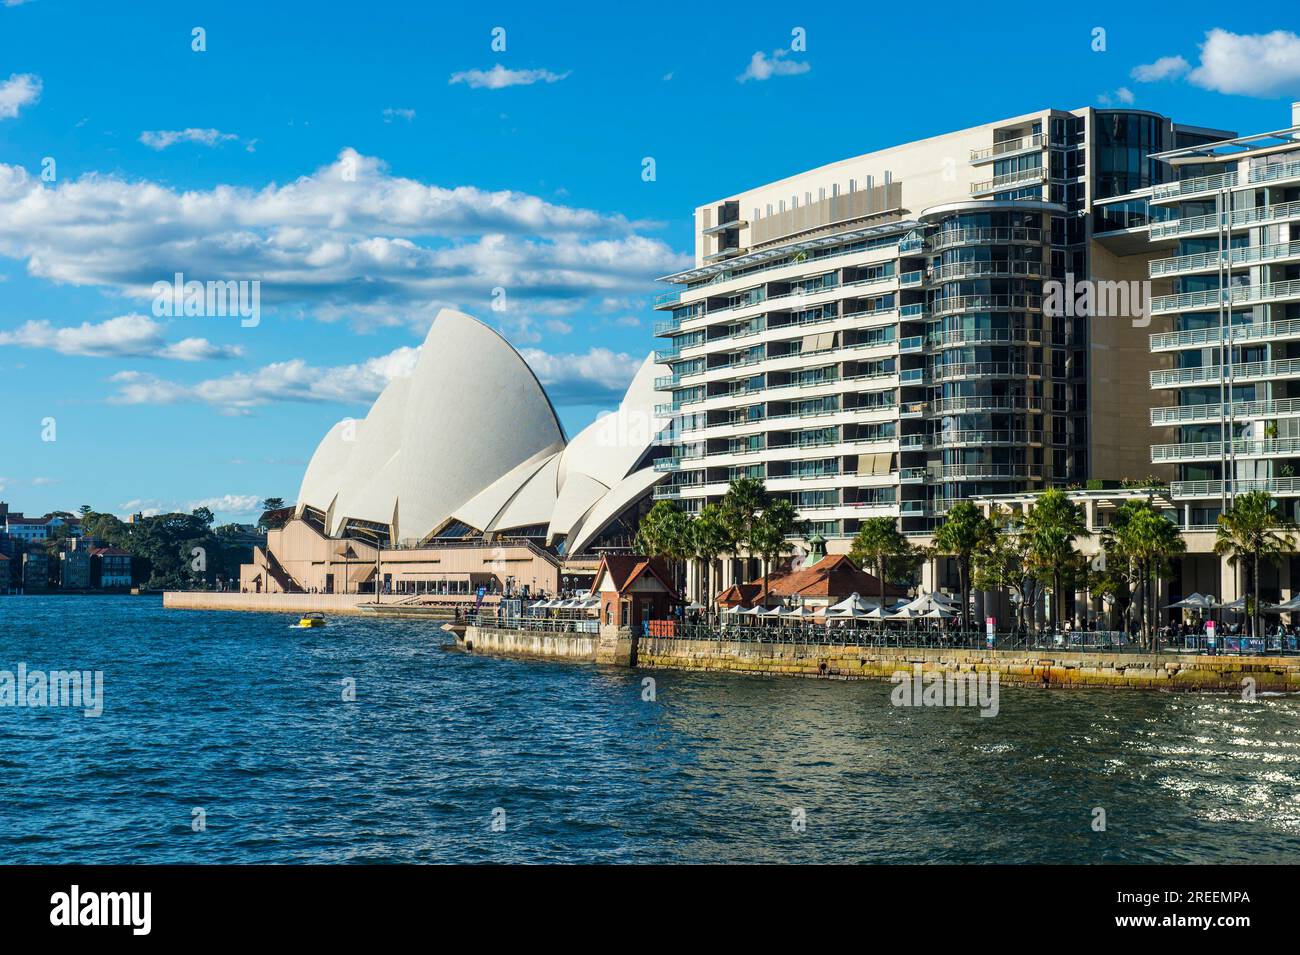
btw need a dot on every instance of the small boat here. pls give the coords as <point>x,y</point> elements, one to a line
<point>312,620</point>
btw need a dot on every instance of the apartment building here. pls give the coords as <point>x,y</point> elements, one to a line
<point>1224,251</point>
<point>870,338</point>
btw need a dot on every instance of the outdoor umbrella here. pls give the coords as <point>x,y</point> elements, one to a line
<point>1194,602</point>
<point>938,613</point>
<point>852,602</point>
<point>880,613</point>
<point>800,611</point>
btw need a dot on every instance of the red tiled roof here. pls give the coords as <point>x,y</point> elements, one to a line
<point>834,577</point>
<point>625,569</point>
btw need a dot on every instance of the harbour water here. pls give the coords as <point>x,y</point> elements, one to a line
<point>449,757</point>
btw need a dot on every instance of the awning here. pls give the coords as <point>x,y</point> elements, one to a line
<point>877,462</point>
<point>819,342</point>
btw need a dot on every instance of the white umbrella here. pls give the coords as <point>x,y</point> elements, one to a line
<point>939,614</point>
<point>735,611</point>
<point>774,612</point>
<point>1194,602</point>
<point>847,613</point>
<point>800,611</point>
<point>694,605</point>
<point>1238,604</point>
<point>852,602</point>
<point>880,613</point>
<point>1287,606</point>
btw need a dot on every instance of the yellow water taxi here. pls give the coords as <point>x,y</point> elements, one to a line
<point>312,620</point>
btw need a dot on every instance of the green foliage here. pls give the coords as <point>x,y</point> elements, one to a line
<point>1053,525</point>
<point>966,531</point>
<point>882,549</point>
<point>1252,530</point>
<point>162,548</point>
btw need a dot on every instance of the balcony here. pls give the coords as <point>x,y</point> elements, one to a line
<point>1200,337</point>
<point>911,279</point>
<point>1007,180</point>
<point>1206,490</point>
<point>664,299</point>
<point>913,475</point>
<point>991,235</point>
<point>986,369</point>
<point>913,343</point>
<point>955,304</point>
<point>1257,175</point>
<point>1214,412</point>
<point>1005,269</point>
<point>1215,450</point>
<point>1243,371</point>
<point>1210,223</point>
<point>1211,299</point>
<point>1211,261</point>
<point>1007,147</point>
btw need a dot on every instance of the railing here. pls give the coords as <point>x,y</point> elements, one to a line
<point>1034,174</point>
<point>1007,146</point>
<point>976,403</point>
<point>1181,414</point>
<point>1282,486</point>
<point>1005,269</point>
<point>1240,372</point>
<point>1240,255</point>
<point>1228,180</point>
<point>1213,449</point>
<point>1240,332</point>
<point>961,303</point>
<point>1241,217</point>
<point>986,369</point>
<point>978,235</point>
<point>668,298</point>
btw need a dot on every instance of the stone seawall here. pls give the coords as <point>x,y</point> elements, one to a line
<point>578,647</point>
<point>1045,668</point>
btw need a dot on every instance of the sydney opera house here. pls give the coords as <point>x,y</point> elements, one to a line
<point>461,477</point>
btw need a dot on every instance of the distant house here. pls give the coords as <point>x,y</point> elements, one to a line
<point>110,567</point>
<point>633,590</point>
<point>36,571</point>
<point>30,529</point>
<point>6,574</point>
<point>74,569</point>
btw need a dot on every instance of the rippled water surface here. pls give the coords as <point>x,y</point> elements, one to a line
<point>242,716</point>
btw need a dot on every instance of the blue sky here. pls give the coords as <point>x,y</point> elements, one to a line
<point>230,164</point>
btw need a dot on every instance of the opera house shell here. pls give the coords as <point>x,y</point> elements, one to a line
<point>470,445</point>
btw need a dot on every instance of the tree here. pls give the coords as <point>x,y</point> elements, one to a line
<point>1053,525</point>
<point>664,534</point>
<point>1146,541</point>
<point>1250,530</point>
<point>1003,565</point>
<point>269,519</point>
<point>965,532</point>
<point>770,537</point>
<point>709,538</point>
<point>744,501</point>
<point>204,514</point>
<point>879,544</point>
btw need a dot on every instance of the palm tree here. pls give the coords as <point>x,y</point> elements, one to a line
<point>664,533</point>
<point>1251,529</point>
<point>1053,525</point>
<point>771,535</point>
<point>709,538</point>
<point>741,505</point>
<point>1004,564</point>
<point>965,532</point>
<point>878,545</point>
<point>1140,534</point>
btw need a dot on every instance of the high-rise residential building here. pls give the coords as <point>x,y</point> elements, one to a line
<point>870,337</point>
<point>1225,241</point>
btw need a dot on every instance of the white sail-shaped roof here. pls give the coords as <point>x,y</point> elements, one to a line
<point>470,436</point>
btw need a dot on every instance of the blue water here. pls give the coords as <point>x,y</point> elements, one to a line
<point>243,717</point>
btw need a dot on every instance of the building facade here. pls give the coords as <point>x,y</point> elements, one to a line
<point>870,339</point>
<point>1224,246</point>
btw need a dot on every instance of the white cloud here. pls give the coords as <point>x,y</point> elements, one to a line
<point>1165,68</point>
<point>597,376</point>
<point>124,336</point>
<point>348,241</point>
<point>763,67</point>
<point>557,327</point>
<point>161,139</point>
<point>1262,64</point>
<point>229,504</point>
<point>499,78</point>
<point>391,114</point>
<point>1122,95</point>
<point>293,380</point>
<point>21,89</point>
<point>16,3</point>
